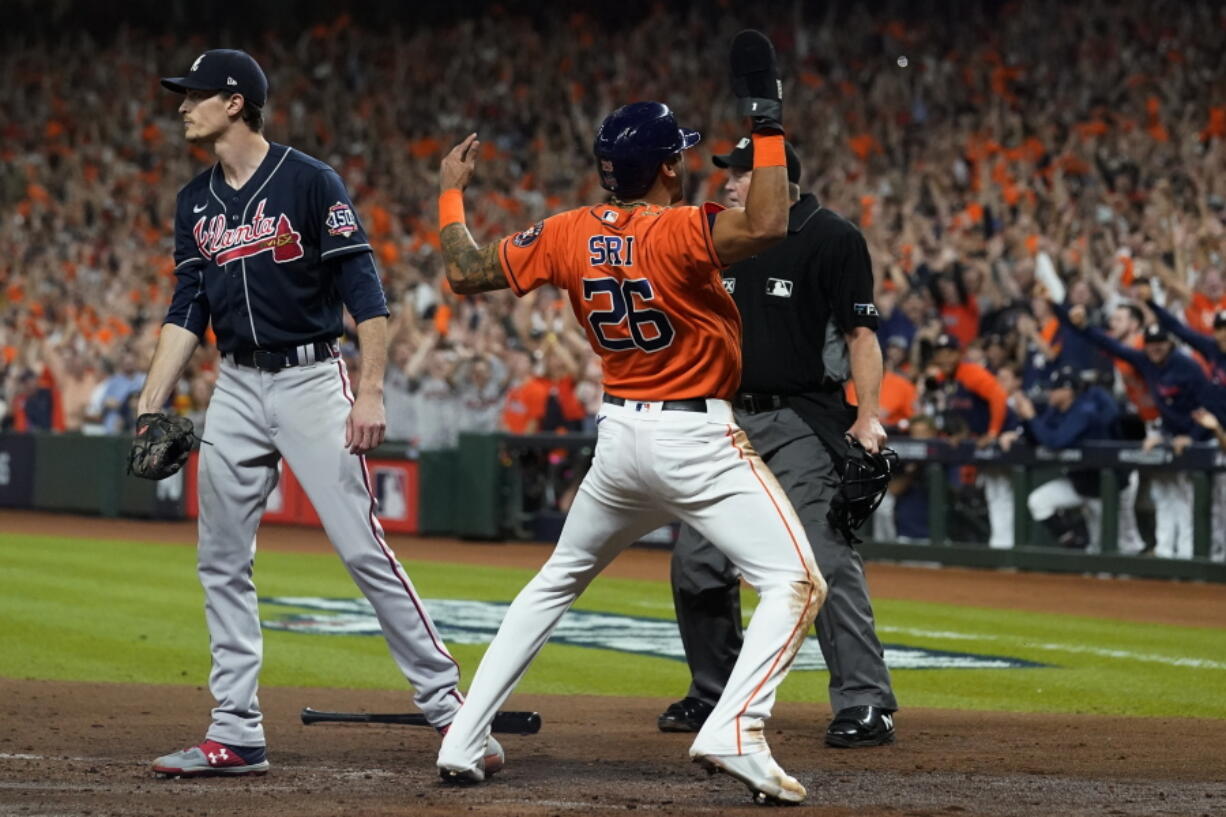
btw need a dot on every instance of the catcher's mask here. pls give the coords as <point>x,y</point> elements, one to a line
<point>865,477</point>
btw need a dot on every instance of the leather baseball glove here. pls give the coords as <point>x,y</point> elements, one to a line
<point>161,446</point>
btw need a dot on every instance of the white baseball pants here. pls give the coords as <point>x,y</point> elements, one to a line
<point>1172,494</point>
<point>1129,534</point>
<point>652,465</point>
<point>998,494</point>
<point>1052,497</point>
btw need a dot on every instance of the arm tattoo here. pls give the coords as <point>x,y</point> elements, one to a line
<point>470,268</point>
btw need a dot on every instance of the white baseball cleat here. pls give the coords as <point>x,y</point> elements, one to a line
<point>767,782</point>
<point>493,760</point>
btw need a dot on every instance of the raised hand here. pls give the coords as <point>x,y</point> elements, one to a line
<point>459,164</point>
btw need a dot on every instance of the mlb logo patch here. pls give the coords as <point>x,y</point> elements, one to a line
<point>779,287</point>
<point>610,216</point>
<point>730,285</point>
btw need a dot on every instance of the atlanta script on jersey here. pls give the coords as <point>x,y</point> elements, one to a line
<point>264,262</point>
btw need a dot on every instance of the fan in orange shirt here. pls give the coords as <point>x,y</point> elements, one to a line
<point>897,399</point>
<point>1125,325</point>
<point>643,277</point>
<point>1206,301</point>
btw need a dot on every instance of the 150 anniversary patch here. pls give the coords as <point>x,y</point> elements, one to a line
<point>340,220</point>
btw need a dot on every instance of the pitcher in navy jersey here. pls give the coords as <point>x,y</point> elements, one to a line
<point>268,248</point>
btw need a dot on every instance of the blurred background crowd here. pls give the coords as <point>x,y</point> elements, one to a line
<point>1022,172</point>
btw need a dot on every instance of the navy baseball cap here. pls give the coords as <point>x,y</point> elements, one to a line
<point>224,69</point>
<point>1219,319</point>
<point>946,341</point>
<point>1155,334</point>
<point>741,158</point>
<point>1063,378</point>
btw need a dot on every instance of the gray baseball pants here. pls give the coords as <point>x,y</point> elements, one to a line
<point>706,590</point>
<point>254,419</point>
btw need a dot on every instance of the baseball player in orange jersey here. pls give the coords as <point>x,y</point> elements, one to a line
<point>643,277</point>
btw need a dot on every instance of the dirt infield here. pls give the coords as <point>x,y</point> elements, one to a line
<point>84,749</point>
<point>72,748</point>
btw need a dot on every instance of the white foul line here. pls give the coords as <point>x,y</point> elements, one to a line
<point>1017,641</point>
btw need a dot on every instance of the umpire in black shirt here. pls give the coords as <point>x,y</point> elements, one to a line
<point>809,325</point>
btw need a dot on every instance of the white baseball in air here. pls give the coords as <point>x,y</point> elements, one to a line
<point>902,61</point>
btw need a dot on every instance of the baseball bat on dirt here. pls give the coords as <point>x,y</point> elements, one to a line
<point>513,722</point>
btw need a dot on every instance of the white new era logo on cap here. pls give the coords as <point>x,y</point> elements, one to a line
<point>744,143</point>
<point>231,81</point>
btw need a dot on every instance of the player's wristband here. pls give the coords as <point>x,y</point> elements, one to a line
<point>451,207</point>
<point>768,151</point>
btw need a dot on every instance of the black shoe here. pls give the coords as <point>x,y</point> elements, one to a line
<point>686,715</point>
<point>858,726</point>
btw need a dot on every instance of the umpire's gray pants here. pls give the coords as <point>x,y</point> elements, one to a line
<point>706,589</point>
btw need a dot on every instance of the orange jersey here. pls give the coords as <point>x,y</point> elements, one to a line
<point>645,285</point>
<point>896,401</point>
<point>1135,387</point>
<point>1200,312</point>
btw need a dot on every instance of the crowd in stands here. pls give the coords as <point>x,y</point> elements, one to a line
<point>1022,172</point>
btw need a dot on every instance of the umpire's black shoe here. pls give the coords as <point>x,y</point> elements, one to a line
<point>859,726</point>
<point>686,715</point>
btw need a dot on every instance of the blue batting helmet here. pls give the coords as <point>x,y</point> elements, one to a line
<point>633,142</point>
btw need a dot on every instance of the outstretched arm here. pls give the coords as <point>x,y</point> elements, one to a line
<point>1200,342</point>
<point>980,381</point>
<point>470,268</point>
<point>1100,338</point>
<point>1206,418</point>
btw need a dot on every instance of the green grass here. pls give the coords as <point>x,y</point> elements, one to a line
<point>75,609</point>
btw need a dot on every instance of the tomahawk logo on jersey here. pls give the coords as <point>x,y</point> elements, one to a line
<point>268,255</point>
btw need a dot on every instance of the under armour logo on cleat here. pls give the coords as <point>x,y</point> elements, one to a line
<point>220,755</point>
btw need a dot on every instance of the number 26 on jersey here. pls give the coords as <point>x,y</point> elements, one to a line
<point>649,329</point>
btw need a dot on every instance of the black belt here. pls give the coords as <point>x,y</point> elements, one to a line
<point>274,360</point>
<point>757,403</point>
<point>697,404</point>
